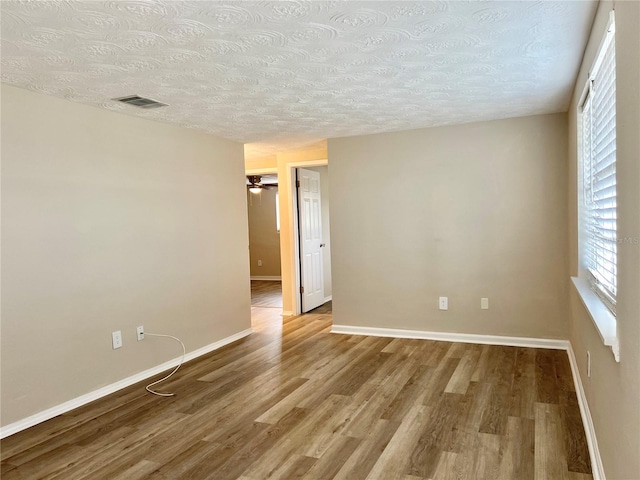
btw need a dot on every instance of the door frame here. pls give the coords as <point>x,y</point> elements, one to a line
<point>295,231</point>
<point>289,183</point>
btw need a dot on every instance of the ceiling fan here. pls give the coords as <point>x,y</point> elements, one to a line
<point>256,185</point>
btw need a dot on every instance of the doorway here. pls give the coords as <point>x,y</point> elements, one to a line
<point>314,239</point>
<point>264,240</point>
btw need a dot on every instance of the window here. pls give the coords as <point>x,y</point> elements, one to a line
<point>598,164</point>
<point>597,283</point>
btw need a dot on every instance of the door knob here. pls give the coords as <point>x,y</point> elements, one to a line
<point>322,245</point>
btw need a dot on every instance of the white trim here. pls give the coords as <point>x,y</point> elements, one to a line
<point>40,417</point>
<point>609,35</point>
<point>601,316</point>
<point>328,299</point>
<point>266,278</point>
<point>294,239</point>
<point>597,468</point>
<point>258,171</point>
<point>453,337</point>
<point>286,313</point>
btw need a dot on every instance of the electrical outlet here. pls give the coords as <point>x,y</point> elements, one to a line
<point>140,333</point>
<point>484,303</point>
<point>443,303</point>
<point>259,263</point>
<point>588,364</point>
<point>116,339</point>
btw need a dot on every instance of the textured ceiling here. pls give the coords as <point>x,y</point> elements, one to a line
<point>286,74</point>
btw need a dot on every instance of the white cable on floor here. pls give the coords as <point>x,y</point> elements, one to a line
<point>184,353</point>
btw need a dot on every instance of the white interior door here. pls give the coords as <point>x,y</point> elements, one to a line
<point>309,206</point>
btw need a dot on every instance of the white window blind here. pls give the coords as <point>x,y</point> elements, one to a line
<point>599,173</point>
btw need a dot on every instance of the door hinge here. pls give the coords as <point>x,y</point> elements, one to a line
<point>301,289</point>
<point>298,183</point>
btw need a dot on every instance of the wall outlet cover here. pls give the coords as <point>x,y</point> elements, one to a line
<point>116,339</point>
<point>443,303</point>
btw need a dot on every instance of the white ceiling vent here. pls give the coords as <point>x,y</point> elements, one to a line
<point>141,102</point>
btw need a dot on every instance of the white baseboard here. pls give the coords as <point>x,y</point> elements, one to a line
<point>266,278</point>
<point>286,313</point>
<point>597,468</point>
<point>114,387</point>
<point>328,299</point>
<point>453,337</point>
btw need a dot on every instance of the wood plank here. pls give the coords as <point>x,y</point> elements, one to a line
<point>186,461</point>
<point>362,422</point>
<point>550,458</point>
<point>436,436</point>
<point>518,448</point>
<point>395,458</point>
<point>480,370</point>
<point>298,439</point>
<point>575,440</point>
<point>439,380</point>
<point>408,394</point>
<point>494,420</point>
<point>295,467</point>
<point>564,376</point>
<point>266,293</point>
<point>360,463</point>
<point>459,381</point>
<point>580,476</point>
<point>138,471</point>
<point>547,390</point>
<point>469,416</point>
<point>523,389</point>
<point>330,463</point>
<point>487,456</point>
<point>445,470</point>
<point>250,448</point>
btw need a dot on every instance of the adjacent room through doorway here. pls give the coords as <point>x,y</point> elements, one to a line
<point>264,240</point>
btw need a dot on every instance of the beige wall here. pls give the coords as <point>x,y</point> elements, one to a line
<point>264,238</point>
<point>613,391</point>
<point>262,165</point>
<point>326,227</point>
<point>468,211</point>
<point>109,222</point>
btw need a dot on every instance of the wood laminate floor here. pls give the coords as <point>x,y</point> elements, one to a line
<point>324,309</point>
<point>266,293</point>
<point>294,401</point>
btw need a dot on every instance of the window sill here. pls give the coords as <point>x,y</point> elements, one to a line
<point>602,318</point>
